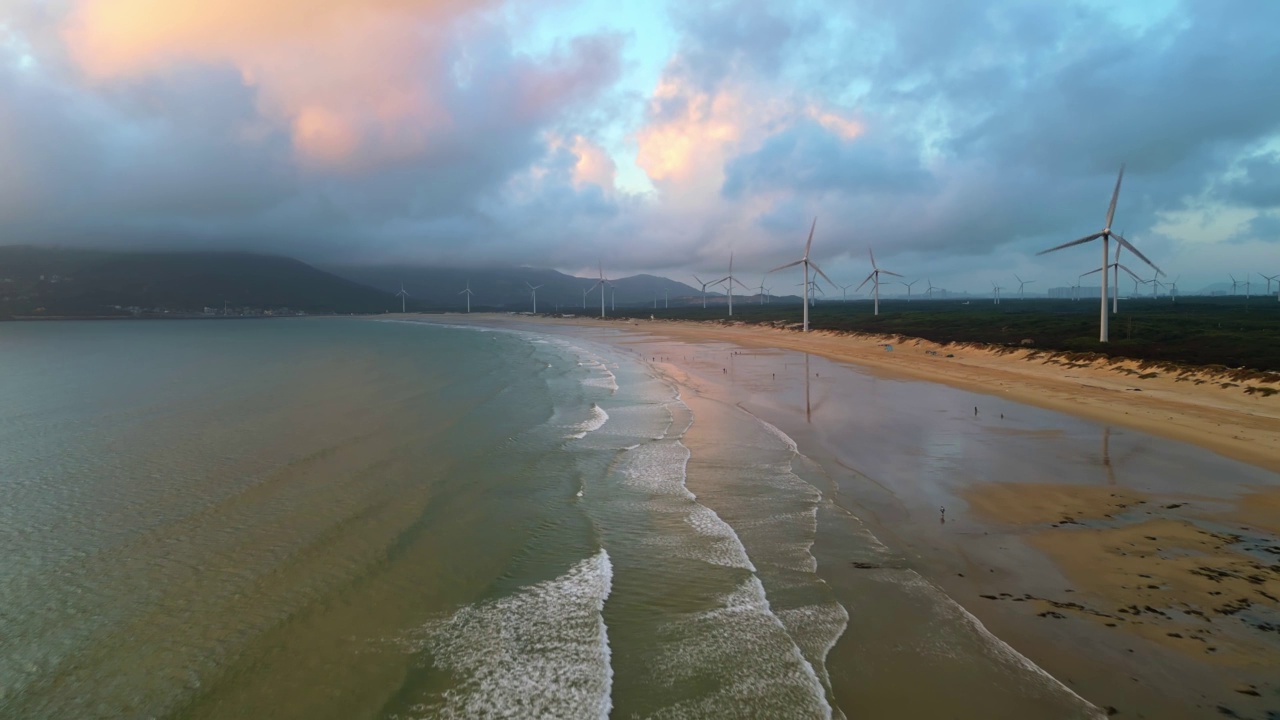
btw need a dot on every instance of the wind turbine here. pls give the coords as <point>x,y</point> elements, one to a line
<point>468,293</point>
<point>1117,266</point>
<point>706,285</point>
<point>402,295</point>
<point>995,293</point>
<point>728,284</point>
<point>815,287</point>
<point>1022,284</point>
<point>1269,279</point>
<point>1173,289</point>
<point>1106,236</point>
<point>1132,274</point>
<point>844,292</point>
<point>807,263</point>
<point>762,289</point>
<point>929,292</point>
<point>909,284</point>
<point>601,283</point>
<point>533,289</point>
<point>584,297</point>
<point>874,278</point>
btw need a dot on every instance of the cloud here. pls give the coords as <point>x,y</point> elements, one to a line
<point>357,84</point>
<point>952,137</point>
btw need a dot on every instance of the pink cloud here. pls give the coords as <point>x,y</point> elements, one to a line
<point>356,82</point>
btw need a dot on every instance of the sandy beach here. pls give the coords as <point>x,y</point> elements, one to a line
<point>1115,525</point>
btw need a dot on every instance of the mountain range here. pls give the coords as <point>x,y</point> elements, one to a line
<point>75,282</point>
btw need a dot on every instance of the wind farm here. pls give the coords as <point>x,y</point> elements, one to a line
<point>320,402</point>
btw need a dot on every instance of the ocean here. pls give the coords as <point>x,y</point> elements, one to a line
<point>342,518</point>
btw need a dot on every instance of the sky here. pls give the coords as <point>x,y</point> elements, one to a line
<point>956,139</point>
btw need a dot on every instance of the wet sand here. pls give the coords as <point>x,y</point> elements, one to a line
<point>1141,573</point>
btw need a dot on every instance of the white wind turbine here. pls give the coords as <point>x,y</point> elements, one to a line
<point>533,290</point>
<point>762,289</point>
<point>995,293</point>
<point>1117,267</point>
<point>874,279</point>
<point>909,284</point>
<point>1022,284</point>
<point>844,292</point>
<point>814,287</point>
<point>402,295</point>
<point>601,283</point>
<point>468,293</point>
<point>1132,274</point>
<point>929,292</point>
<point>706,285</point>
<point>1173,289</point>
<point>1269,278</point>
<point>728,284</point>
<point>1106,236</point>
<point>807,263</point>
<point>584,296</point>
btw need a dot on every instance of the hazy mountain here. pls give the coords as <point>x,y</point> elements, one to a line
<point>506,288</point>
<point>66,281</point>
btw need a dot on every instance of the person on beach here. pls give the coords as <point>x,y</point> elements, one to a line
<point>975,411</point>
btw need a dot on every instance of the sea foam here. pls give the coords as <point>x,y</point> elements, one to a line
<point>541,652</point>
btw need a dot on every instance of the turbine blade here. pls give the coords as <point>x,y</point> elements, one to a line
<point>817,269</point>
<point>1135,251</point>
<point>1081,241</point>
<point>1091,272</point>
<point>784,267</point>
<point>809,244</point>
<point>864,282</point>
<point>1111,211</point>
<point>890,272</point>
<point>873,258</point>
<point>1132,274</point>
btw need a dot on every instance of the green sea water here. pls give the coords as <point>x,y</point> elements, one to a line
<point>330,518</point>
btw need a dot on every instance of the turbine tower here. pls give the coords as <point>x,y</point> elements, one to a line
<point>1132,274</point>
<point>1022,284</point>
<point>468,293</point>
<point>807,263</point>
<point>601,283</point>
<point>874,279</point>
<point>728,284</point>
<point>533,290</point>
<point>814,287</point>
<point>402,295</point>
<point>706,285</point>
<point>1269,278</point>
<point>909,284</point>
<point>1106,236</point>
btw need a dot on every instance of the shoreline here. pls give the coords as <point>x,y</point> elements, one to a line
<point>1228,421</point>
<point>1045,570</point>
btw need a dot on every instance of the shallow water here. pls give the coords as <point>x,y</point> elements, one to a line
<point>332,518</point>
